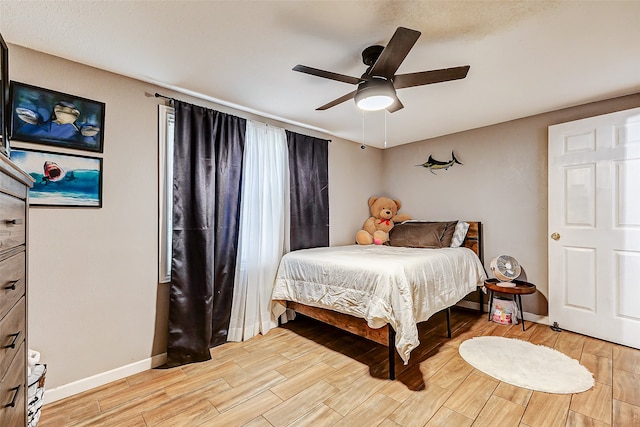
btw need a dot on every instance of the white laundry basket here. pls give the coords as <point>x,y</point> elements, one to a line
<point>35,394</point>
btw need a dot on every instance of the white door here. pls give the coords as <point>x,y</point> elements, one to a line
<point>594,213</point>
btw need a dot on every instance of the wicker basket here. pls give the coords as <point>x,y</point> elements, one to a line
<point>35,394</point>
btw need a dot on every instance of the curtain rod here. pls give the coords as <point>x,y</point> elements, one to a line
<point>157,95</point>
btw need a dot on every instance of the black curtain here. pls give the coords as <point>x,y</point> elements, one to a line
<point>207,170</point>
<point>309,181</point>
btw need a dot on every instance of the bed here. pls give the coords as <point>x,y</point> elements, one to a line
<point>382,292</point>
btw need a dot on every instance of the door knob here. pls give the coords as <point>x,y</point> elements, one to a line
<point>555,236</point>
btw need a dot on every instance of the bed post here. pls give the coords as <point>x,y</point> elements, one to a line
<point>448,322</point>
<point>474,240</point>
<point>392,353</point>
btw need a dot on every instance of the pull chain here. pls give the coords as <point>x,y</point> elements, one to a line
<point>385,128</point>
<point>363,146</point>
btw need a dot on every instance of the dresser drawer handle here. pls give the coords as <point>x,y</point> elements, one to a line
<point>15,221</point>
<point>13,343</point>
<point>16,391</point>
<point>12,285</point>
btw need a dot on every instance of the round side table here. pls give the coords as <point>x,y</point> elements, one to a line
<point>521,288</point>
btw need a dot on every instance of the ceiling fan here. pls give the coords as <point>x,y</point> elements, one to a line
<point>377,86</point>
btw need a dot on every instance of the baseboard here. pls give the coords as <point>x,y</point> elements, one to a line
<point>67,390</point>
<point>527,316</point>
<point>471,305</point>
<point>544,320</point>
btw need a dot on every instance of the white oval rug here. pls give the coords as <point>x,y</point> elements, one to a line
<point>526,365</point>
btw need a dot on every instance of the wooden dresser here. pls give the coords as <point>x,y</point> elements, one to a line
<point>14,205</point>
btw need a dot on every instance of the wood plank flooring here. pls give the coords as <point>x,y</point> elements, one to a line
<point>310,374</point>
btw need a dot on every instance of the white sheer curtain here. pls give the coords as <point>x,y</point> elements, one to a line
<point>264,229</point>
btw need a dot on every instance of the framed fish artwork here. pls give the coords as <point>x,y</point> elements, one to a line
<point>45,116</point>
<point>66,180</point>
<point>433,164</point>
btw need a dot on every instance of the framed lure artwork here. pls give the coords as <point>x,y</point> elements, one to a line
<point>44,116</point>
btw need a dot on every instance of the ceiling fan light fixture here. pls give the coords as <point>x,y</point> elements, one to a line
<point>375,94</point>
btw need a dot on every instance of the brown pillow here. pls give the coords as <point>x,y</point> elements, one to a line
<point>418,234</point>
<point>447,236</point>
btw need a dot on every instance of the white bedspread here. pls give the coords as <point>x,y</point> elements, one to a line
<point>381,284</point>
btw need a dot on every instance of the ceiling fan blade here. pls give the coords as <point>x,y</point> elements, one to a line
<point>397,105</point>
<point>397,49</point>
<point>327,74</point>
<point>428,77</point>
<point>337,101</point>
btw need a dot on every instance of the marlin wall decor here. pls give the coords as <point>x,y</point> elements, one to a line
<point>433,164</point>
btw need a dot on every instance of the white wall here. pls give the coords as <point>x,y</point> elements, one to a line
<point>92,272</point>
<point>354,176</point>
<point>503,183</point>
<point>96,311</point>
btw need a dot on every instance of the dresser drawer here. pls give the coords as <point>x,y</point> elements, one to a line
<point>10,185</point>
<point>12,281</point>
<point>12,329</point>
<point>12,222</point>
<point>13,408</point>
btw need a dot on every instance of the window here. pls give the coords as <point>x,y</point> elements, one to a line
<point>165,190</point>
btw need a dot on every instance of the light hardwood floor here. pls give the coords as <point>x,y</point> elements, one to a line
<point>310,374</point>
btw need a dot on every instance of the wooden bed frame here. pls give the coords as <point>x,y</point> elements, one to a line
<point>386,335</point>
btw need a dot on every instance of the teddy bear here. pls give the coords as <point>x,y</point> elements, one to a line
<point>383,216</point>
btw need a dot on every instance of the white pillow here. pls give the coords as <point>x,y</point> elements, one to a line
<point>459,234</point>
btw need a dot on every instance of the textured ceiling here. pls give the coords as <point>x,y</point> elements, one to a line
<point>526,57</point>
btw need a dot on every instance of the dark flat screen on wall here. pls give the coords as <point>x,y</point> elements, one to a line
<point>4,98</point>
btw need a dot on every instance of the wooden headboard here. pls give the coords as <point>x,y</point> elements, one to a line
<point>473,240</point>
